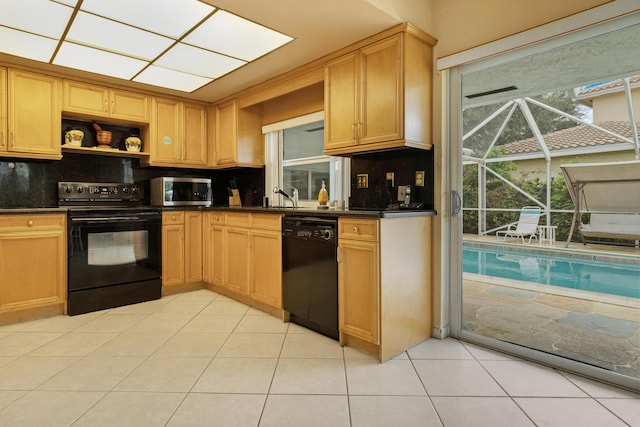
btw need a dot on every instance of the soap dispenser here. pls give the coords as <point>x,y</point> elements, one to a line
<point>323,196</point>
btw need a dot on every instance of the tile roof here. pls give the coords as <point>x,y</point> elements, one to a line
<point>580,136</point>
<point>605,86</point>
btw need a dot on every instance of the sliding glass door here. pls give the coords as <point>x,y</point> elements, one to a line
<point>521,283</point>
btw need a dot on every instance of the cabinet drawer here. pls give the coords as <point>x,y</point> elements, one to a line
<point>267,222</point>
<point>216,218</point>
<point>44,220</point>
<point>358,229</point>
<point>238,219</point>
<point>173,217</point>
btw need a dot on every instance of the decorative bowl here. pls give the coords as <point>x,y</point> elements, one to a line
<point>133,143</point>
<point>74,137</point>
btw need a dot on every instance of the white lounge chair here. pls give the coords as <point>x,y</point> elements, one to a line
<point>527,225</point>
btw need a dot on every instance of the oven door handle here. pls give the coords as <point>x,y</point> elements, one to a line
<point>110,219</point>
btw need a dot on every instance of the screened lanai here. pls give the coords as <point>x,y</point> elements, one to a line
<point>513,149</point>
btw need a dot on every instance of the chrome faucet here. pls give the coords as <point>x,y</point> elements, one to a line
<point>294,199</point>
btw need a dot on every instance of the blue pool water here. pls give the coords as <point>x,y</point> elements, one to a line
<point>576,273</point>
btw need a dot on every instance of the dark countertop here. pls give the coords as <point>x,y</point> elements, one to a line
<point>18,211</point>
<point>357,213</point>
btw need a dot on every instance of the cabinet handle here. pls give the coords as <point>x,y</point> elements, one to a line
<point>353,131</point>
<point>30,223</point>
<point>173,217</point>
<point>12,140</point>
<point>356,229</point>
<point>1,139</point>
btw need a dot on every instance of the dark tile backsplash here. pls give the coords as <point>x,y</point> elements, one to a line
<point>33,183</point>
<point>404,164</point>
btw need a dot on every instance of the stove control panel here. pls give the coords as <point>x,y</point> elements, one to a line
<point>99,192</point>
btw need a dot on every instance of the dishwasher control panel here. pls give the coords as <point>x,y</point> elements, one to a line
<point>310,228</point>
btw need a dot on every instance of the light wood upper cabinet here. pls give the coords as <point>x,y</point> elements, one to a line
<point>379,97</point>
<point>27,241</point>
<point>237,135</point>
<point>178,134</point>
<point>32,106</point>
<point>99,102</point>
<point>194,151</point>
<point>3,111</point>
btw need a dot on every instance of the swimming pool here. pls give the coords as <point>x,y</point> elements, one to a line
<point>583,273</point>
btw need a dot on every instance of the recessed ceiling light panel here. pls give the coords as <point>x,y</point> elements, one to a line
<point>42,17</point>
<point>234,36</point>
<point>171,18</point>
<point>26,45</point>
<point>98,61</point>
<point>92,30</point>
<point>158,76</point>
<point>194,60</point>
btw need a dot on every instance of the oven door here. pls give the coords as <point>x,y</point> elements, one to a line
<point>107,248</point>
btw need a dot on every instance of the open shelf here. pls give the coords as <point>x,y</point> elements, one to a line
<point>103,151</point>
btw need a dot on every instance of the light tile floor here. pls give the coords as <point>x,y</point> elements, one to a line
<point>201,359</point>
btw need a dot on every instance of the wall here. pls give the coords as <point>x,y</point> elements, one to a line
<point>614,107</point>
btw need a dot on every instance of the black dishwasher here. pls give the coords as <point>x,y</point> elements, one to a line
<point>310,272</point>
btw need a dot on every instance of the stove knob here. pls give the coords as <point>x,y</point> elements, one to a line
<point>134,189</point>
<point>68,189</point>
<point>125,190</point>
<point>80,190</point>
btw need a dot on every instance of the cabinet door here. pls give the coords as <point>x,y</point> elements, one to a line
<point>359,289</point>
<point>172,252</point>
<point>129,106</point>
<point>266,274</point>
<point>237,260</point>
<point>3,110</point>
<point>193,246</point>
<point>85,98</point>
<point>381,90</point>
<point>226,126</point>
<point>341,102</point>
<point>34,114</point>
<point>195,135</point>
<point>166,131</point>
<point>214,255</point>
<point>28,242</point>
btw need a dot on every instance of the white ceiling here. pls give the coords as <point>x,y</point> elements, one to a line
<point>318,28</point>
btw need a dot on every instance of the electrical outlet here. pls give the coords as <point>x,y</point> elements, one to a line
<point>419,178</point>
<point>363,180</point>
<point>391,178</point>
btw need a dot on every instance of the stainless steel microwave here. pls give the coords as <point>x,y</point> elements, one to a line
<point>170,191</point>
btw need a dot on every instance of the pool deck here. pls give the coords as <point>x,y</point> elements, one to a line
<point>598,329</point>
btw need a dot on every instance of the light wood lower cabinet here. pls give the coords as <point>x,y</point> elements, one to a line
<point>385,283</point>
<point>182,248</point>
<point>33,267</point>
<point>243,257</point>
